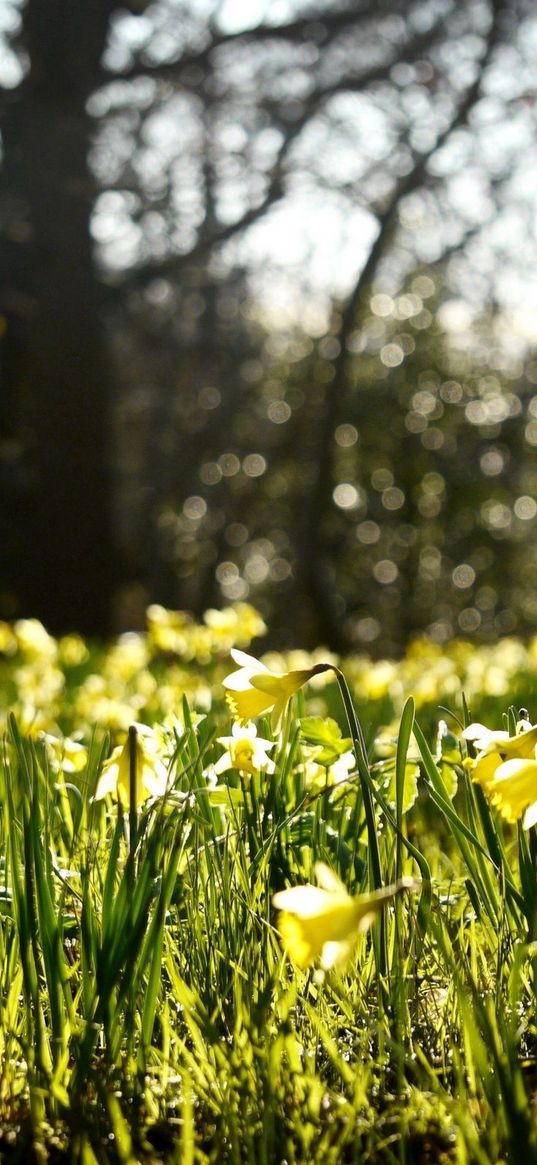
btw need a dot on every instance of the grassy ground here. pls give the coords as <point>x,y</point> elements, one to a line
<point>147,1010</point>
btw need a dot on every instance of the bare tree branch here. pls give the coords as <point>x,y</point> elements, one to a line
<point>169,267</point>
<point>324,24</point>
<point>336,390</point>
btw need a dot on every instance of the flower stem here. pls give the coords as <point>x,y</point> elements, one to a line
<point>372,793</point>
<point>133,807</point>
<point>360,750</point>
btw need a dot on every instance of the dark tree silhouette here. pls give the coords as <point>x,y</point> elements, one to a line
<point>57,514</point>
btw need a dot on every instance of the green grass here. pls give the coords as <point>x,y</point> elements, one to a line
<point>147,1013</point>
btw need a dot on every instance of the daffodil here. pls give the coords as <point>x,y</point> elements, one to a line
<point>237,624</point>
<point>318,776</point>
<point>493,747</point>
<point>168,630</point>
<point>254,689</point>
<point>323,922</point>
<point>151,773</point>
<point>245,751</point>
<point>69,755</point>
<point>513,790</point>
<point>506,767</point>
<point>34,640</point>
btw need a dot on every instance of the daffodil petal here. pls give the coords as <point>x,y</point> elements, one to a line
<point>530,816</point>
<point>484,737</point>
<point>514,786</point>
<point>328,879</point>
<point>305,900</point>
<point>106,784</point>
<point>245,660</point>
<point>333,954</point>
<point>367,920</point>
<point>516,768</point>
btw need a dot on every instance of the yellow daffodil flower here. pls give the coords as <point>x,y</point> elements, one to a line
<point>238,624</point>
<point>151,773</point>
<point>245,751</point>
<point>72,650</point>
<point>513,790</point>
<point>69,755</point>
<point>318,776</point>
<point>495,747</point>
<point>323,922</point>
<point>506,767</point>
<point>254,689</point>
<point>168,630</point>
<point>34,640</point>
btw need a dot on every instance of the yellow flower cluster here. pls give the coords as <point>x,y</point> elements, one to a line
<point>35,671</point>
<point>143,676</point>
<point>176,634</point>
<point>65,683</point>
<point>60,688</point>
<point>434,673</point>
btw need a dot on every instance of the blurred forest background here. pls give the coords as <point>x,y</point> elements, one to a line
<point>268,314</point>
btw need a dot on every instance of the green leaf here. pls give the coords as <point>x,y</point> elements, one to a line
<point>410,791</point>
<point>449,755</point>
<point>225,795</point>
<point>450,778</point>
<point>325,733</point>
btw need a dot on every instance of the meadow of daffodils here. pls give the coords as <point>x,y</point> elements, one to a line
<point>266,908</point>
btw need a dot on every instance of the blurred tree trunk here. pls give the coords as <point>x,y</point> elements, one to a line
<point>57,488</point>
